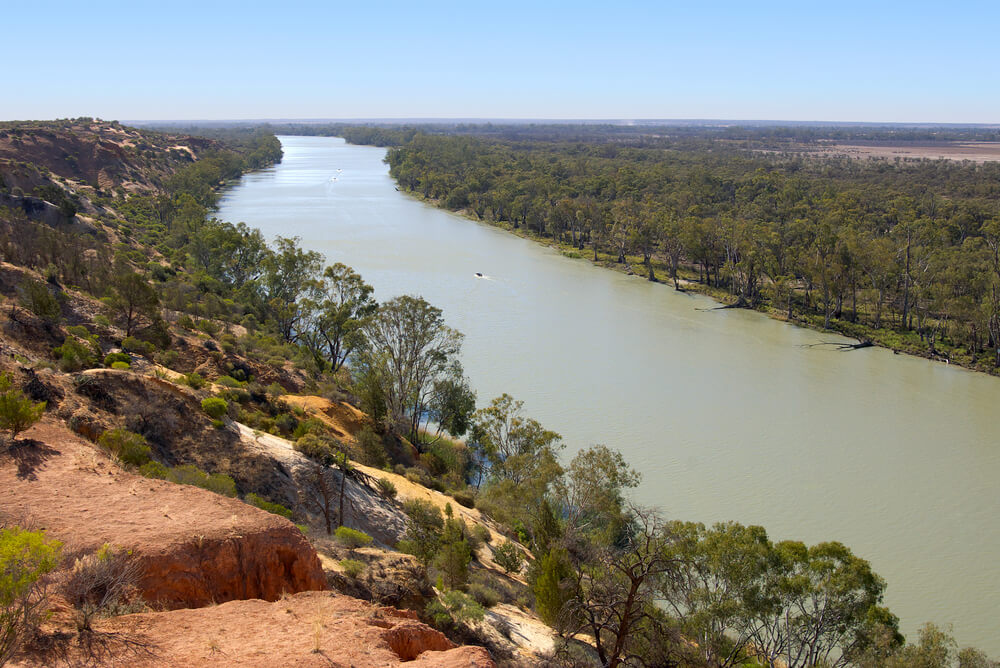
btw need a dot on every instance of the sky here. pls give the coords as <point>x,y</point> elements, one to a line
<point>873,61</point>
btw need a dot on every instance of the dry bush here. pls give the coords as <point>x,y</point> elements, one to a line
<point>103,583</point>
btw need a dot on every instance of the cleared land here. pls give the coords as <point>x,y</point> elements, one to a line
<point>974,151</point>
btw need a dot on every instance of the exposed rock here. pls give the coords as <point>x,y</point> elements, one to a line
<point>308,629</point>
<point>198,547</point>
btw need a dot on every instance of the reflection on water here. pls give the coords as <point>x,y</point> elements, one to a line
<point>727,414</point>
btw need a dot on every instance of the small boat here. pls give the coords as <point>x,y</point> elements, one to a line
<point>479,274</point>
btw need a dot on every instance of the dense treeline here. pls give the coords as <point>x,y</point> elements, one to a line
<point>904,253</point>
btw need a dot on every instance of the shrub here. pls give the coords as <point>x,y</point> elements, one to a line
<point>286,423</point>
<point>483,595</point>
<point>38,299</point>
<point>386,488</point>
<point>25,558</point>
<point>121,366</point>
<point>192,475</point>
<point>138,346</point>
<point>130,448</point>
<point>372,449</point>
<point>75,355</point>
<point>102,320</point>
<point>482,534</point>
<point>464,497</point>
<point>111,358</point>
<point>351,538</point>
<point>508,557</point>
<point>424,525</point>
<point>453,560</point>
<point>264,504</point>
<point>185,321</point>
<point>102,583</point>
<point>228,381</point>
<point>549,588</point>
<point>194,380</point>
<point>17,412</point>
<point>215,407</point>
<point>454,607</point>
<point>154,469</point>
<point>352,567</point>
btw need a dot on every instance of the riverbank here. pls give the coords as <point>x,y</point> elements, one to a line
<point>907,342</point>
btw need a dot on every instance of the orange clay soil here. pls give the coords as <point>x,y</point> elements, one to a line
<point>307,629</point>
<point>197,547</point>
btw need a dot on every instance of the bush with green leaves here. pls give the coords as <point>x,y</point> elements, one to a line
<point>154,469</point>
<point>454,607</point>
<point>371,447</point>
<point>128,447</point>
<point>111,358</point>
<point>351,538</point>
<point>352,567</point>
<point>121,366</point>
<point>77,353</point>
<point>37,298</point>
<point>189,474</point>
<point>138,346</point>
<point>464,497</point>
<point>508,557</point>
<point>264,504</point>
<point>424,525</point>
<point>17,412</point>
<point>484,595</point>
<point>386,488</point>
<point>215,407</point>
<point>25,558</point>
<point>194,380</point>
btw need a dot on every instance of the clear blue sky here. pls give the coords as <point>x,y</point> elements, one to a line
<point>807,60</point>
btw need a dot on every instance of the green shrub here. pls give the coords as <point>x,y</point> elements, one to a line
<point>464,497</point>
<point>483,595</point>
<point>121,366</point>
<point>133,345</point>
<point>38,299</point>
<point>508,557</point>
<point>215,407</point>
<point>228,381</point>
<point>17,412</point>
<point>264,504</point>
<point>286,423</point>
<point>351,538</point>
<point>371,447</point>
<point>185,321</point>
<point>386,488</point>
<point>154,469</point>
<point>194,380</point>
<point>352,567</point>
<point>482,534</point>
<point>209,327</point>
<point>25,558</point>
<point>130,448</point>
<point>102,320</point>
<point>454,607</point>
<point>192,475</point>
<point>75,355</point>
<point>111,358</point>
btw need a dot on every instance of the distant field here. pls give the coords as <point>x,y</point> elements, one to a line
<point>974,151</point>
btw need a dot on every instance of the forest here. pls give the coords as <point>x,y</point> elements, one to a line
<point>902,253</point>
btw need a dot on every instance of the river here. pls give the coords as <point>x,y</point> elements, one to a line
<point>727,414</point>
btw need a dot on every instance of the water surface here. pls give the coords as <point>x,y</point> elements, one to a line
<point>729,415</point>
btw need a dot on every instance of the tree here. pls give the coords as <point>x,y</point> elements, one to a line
<point>617,589</point>
<point>424,525</point>
<point>37,298</point>
<point>290,283</point>
<point>17,412</point>
<point>410,348</point>
<point>338,315</point>
<point>452,402</point>
<point>554,585</point>
<point>133,299</point>
<point>515,447</point>
<point>592,489</point>
<point>326,454</point>
<point>453,554</point>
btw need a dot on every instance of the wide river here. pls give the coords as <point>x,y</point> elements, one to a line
<point>728,415</point>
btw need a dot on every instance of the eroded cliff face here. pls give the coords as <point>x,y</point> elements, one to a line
<point>197,547</point>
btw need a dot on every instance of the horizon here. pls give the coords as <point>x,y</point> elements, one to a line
<point>894,62</point>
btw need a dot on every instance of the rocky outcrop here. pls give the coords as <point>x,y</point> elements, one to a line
<point>307,629</point>
<point>197,547</point>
